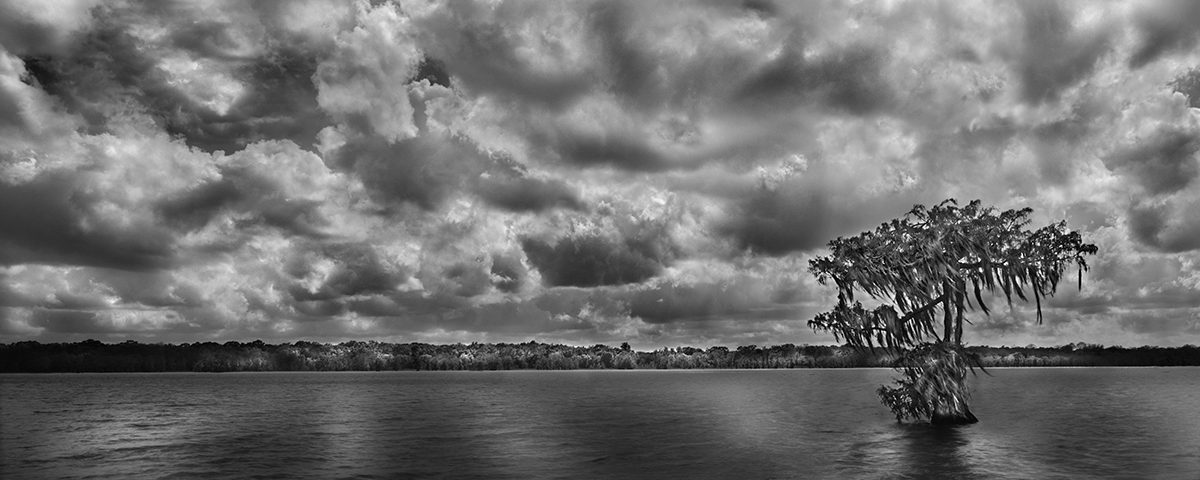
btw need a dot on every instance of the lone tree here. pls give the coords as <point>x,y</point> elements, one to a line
<point>931,260</point>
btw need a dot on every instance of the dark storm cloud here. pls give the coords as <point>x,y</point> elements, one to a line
<point>75,301</point>
<point>151,289</point>
<point>68,321</point>
<point>53,219</point>
<point>630,70</point>
<point>607,302</point>
<point>850,79</point>
<point>243,190</point>
<point>354,269</point>
<point>11,115</point>
<point>475,45</point>
<point>593,260</point>
<point>279,101</point>
<point>963,143</point>
<point>103,66</point>
<point>525,194</point>
<point>318,310</point>
<point>1157,299</point>
<point>1157,325</point>
<point>433,71</point>
<point>508,185</point>
<point>205,37</point>
<point>427,169</point>
<point>421,171</point>
<point>21,35</point>
<point>1165,227</point>
<point>623,247</point>
<point>621,150</point>
<point>1165,26</point>
<point>192,210</point>
<point>705,301</point>
<point>1164,163</point>
<point>1189,85</point>
<point>508,272</point>
<point>469,279</point>
<point>1055,56</point>
<point>804,213</point>
<point>10,297</point>
<point>40,31</point>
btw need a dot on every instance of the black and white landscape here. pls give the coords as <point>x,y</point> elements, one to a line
<point>254,186</point>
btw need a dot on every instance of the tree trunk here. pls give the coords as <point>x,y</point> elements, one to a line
<point>952,409</point>
<point>953,412</point>
<point>950,403</point>
<point>947,325</point>
<point>958,316</point>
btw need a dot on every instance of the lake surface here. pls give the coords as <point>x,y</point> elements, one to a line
<point>1035,423</point>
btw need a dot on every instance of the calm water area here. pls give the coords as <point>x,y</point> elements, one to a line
<point>1035,423</point>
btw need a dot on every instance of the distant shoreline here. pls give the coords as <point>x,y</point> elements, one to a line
<point>597,370</point>
<point>94,356</point>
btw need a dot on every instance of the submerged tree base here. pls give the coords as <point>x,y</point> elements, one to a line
<point>933,385</point>
<point>964,417</point>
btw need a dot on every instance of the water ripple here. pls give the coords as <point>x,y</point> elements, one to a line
<point>1036,423</point>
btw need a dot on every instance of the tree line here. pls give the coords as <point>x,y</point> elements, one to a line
<point>132,356</point>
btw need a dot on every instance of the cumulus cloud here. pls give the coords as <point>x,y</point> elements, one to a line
<point>651,172</point>
<point>362,79</point>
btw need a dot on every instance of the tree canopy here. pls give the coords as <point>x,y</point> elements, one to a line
<point>929,258</point>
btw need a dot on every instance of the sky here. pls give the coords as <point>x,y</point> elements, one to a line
<point>657,173</point>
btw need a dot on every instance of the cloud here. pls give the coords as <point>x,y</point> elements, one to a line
<point>334,270</point>
<point>206,76</point>
<point>1056,55</point>
<point>591,260</point>
<point>742,300</point>
<point>850,79</point>
<point>1189,85</point>
<point>651,172</point>
<point>1162,164</point>
<point>791,209</point>
<point>519,50</point>
<point>363,79</point>
<point>27,114</point>
<point>1166,227</point>
<point>422,171</point>
<point>1165,26</point>
<point>30,27</point>
<point>528,194</point>
<point>273,184</point>
<point>508,273</point>
<point>53,220</point>
<point>624,241</point>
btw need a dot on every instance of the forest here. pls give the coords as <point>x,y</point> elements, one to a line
<point>132,356</point>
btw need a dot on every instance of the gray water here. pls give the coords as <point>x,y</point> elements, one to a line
<point>1035,423</point>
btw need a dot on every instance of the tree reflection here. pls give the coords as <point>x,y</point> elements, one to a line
<point>912,450</point>
<point>934,451</point>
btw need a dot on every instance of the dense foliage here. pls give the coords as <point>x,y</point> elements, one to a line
<point>943,256</point>
<point>130,356</point>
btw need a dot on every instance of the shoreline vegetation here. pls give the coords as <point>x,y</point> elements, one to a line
<point>131,356</point>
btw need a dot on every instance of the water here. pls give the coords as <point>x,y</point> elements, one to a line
<point>1035,423</point>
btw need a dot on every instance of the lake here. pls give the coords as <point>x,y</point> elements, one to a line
<point>1034,423</point>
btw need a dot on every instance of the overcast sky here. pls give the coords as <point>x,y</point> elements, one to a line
<point>584,172</point>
